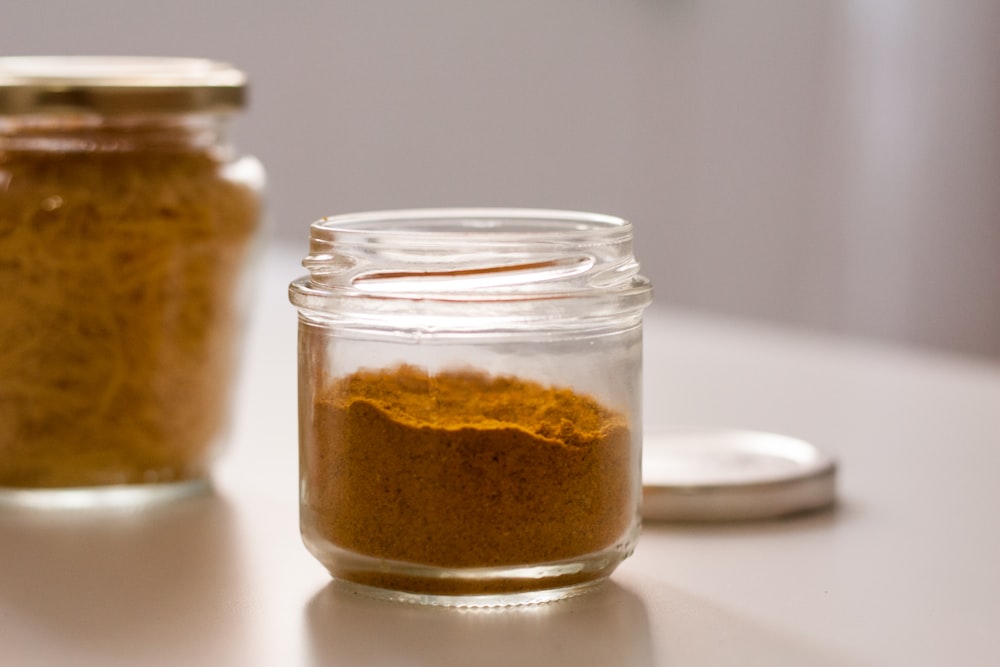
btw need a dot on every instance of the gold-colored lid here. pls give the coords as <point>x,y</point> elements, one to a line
<point>118,85</point>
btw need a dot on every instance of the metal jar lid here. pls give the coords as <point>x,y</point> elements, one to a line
<point>731,475</point>
<point>118,85</point>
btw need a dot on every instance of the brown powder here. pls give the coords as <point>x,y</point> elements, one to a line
<point>464,470</point>
<point>119,274</point>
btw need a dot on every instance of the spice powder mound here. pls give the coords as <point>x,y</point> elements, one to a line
<point>462,469</point>
<point>119,275</point>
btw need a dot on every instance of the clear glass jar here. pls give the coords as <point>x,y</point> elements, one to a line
<point>126,223</point>
<point>470,402</point>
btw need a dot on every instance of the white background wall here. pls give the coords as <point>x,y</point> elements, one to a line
<point>827,164</point>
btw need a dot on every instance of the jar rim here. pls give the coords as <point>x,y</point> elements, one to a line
<point>488,224</point>
<point>118,84</point>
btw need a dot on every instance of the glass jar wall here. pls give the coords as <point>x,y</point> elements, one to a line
<point>469,402</point>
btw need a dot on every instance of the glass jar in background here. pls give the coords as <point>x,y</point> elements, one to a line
<point>470,425</point>
<point>126,225</point>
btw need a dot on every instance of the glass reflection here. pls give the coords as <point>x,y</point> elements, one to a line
<point>608,626</point>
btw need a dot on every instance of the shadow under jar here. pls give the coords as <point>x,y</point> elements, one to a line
<point>469,402</point>
<point>126,223</point>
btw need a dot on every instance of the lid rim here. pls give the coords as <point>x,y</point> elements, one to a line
<point>741,503</point>
<point>118,85</point>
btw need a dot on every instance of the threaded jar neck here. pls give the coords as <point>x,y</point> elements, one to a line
<point>472,263</point>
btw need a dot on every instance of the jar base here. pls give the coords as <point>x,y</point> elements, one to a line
<point>473,601</point>
<point>101,497</point>
<point>501,586</point>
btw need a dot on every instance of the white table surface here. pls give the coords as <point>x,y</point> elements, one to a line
<point>905,571</point>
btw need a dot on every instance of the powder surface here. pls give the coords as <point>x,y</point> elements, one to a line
<point>463,469</point>
<point>119,274</point>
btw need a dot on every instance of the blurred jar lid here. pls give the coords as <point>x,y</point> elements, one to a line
<point>118,85</point>
<point>731,475</point>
